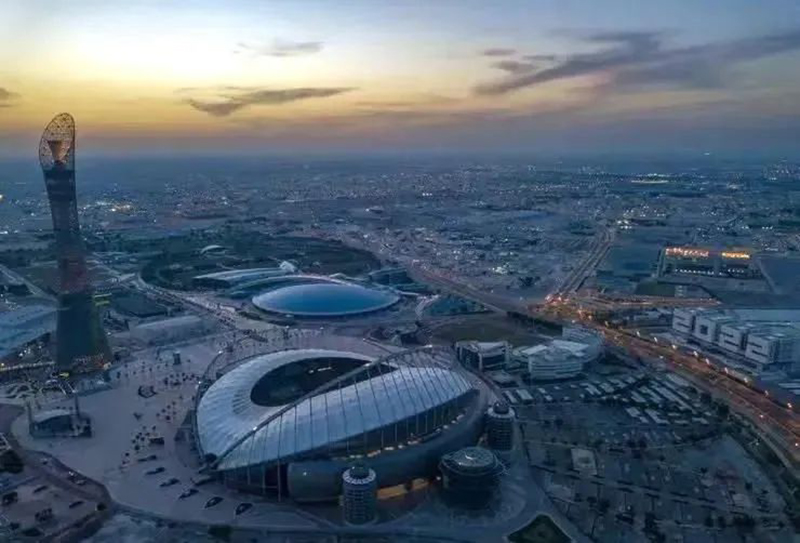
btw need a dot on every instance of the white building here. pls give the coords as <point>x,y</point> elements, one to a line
<point>683,320</point>
<point>774,345</point>
<point>170,330</point>
<point>758,340</point>
<point>561,358</point>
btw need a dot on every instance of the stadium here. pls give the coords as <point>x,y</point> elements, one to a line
<point>287,423</point>
<point>314,298</point>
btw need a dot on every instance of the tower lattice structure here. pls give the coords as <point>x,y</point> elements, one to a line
<point>81,343</point>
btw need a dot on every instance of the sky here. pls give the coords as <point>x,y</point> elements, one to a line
<point>522,76</point>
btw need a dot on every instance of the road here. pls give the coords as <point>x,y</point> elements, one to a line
<point>585,268</point>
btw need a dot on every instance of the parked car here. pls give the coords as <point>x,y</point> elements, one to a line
<point>213,501</point>
<point>243,508</point>
<point>188,492</point>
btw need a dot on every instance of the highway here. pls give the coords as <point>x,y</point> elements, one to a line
<point>585,268</point>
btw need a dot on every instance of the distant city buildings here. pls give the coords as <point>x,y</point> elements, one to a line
<point>757,340</point>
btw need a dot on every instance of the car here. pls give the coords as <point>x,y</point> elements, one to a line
<point>40,489</point>
<point>169,482</point>
<point>213,501</point>
<point>79,481</point>
<point>10,497</point>
<point>148,458</point>
<point>155,471</point>
<point>76,503</point>
<point>243,508</point>
<point>187,493</point>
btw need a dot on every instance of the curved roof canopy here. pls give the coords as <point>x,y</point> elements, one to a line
<point>232,427</point>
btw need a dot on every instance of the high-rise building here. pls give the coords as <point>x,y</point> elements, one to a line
<point>81,344</point>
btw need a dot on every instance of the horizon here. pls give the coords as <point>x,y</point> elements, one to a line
<point>452,78</point>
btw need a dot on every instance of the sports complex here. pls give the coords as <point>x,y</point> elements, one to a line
<point>288,423</point>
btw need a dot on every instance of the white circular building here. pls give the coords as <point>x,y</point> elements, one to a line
<point>290,422</point>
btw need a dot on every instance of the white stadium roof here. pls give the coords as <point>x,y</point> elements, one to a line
<point>240,432</point>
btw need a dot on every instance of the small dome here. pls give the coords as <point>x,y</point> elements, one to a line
<point>501,408</point>
<point>359,471</point>
<point>324,300</point>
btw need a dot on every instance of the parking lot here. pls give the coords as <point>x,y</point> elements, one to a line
<point>642,458</point>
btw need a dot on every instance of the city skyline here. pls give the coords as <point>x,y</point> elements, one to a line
<point>318,77</point>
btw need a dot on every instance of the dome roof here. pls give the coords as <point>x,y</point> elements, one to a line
<point>324,300</point>
<point>240,432</point>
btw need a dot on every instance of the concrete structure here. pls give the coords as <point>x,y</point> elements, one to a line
<point>23,326</point>
<point>59,422</point>
<point>732,263</point>
<point>290,422</point>
<point>483,355</point>
<point>561,358</point>
<point>470,477</point>
<point>81,343</point>
<point>170,330</point>
<point>359,495</point>
<point>757,340</point>
<point>500,427</point>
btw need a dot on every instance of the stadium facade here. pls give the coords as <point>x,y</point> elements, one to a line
<point>289,423</point>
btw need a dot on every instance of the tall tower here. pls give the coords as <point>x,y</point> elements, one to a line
<point>81,343</point>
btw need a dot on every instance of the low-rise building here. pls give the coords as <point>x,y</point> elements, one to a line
<point>561,358</point>
<point>757,340</point>
<point>483,355</point>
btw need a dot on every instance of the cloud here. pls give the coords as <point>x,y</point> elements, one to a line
<point>280,48</point>
<point>230,99</point>
<point>6,97</point>
<point>638,59</point>
<point>539,58</point>
<point>514,66</point>
<point>498,52</point>
<point>412,101</point>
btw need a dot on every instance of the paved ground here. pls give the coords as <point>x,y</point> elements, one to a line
<point>123,422</point>
<point>109,457</point>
